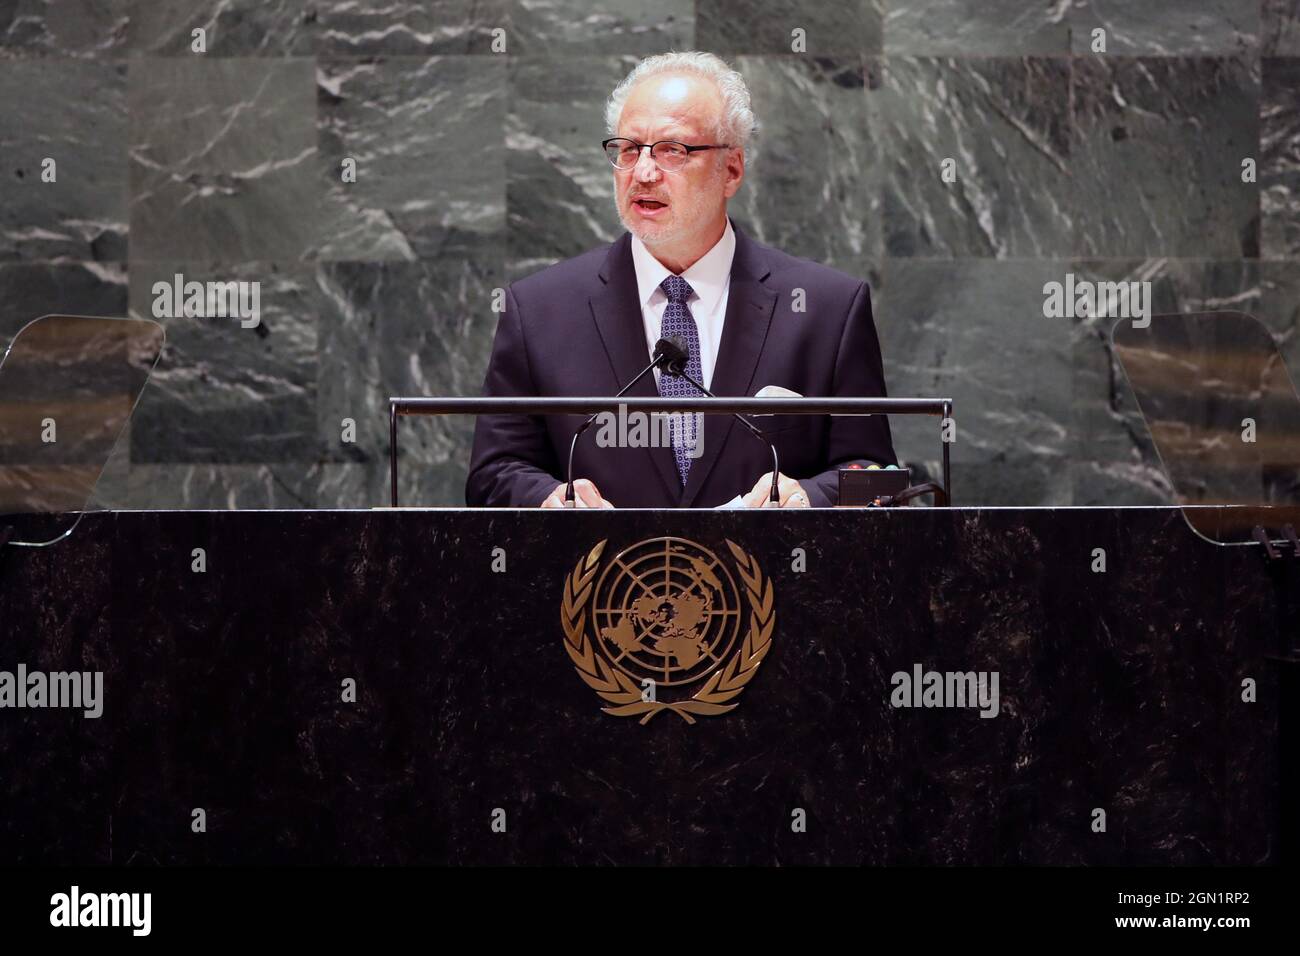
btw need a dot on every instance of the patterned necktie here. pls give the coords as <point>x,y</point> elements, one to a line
<point>679,321</point>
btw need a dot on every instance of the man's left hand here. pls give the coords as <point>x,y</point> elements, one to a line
<point>792,493</point>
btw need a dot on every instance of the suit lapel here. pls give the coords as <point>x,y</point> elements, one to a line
<point>750,306</point>
<point>616,310</point>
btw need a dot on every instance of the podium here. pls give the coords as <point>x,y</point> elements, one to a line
<point>1119,690</point>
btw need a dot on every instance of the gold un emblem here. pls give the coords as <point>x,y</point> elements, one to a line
<point>667,614</point>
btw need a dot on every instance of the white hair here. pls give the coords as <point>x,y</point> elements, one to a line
<point>736,124</point>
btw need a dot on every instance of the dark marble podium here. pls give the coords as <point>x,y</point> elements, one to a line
<point>1119,690</point>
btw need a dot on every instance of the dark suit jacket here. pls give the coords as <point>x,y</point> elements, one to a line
<point>575,329</point>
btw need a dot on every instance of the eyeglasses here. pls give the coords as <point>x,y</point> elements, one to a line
<point>625,153</point>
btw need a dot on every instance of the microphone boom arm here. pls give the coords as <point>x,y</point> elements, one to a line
<point>666,352</point>
<point>774,495</point>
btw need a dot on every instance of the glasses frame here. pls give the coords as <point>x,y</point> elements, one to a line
<point>604,146</point>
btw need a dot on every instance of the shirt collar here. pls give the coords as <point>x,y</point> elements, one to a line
<point>708,276</point>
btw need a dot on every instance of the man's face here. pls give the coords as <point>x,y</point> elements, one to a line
<point>684,108</point>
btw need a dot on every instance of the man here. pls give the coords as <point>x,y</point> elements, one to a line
<point>751,316</point>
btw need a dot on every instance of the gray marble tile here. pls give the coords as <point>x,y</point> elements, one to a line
<point>1279,308</point>
<point>1280,26</point>
<point>1279,160</point>
<point>428,141</point>
<point>231,27</point>
<point>812,183</point>
<point>1156,157</point>
<point>977,28</point>
<point>405,328</point>
<point>1005,125</point>
<point>75,114</point>
<point>973,330</point>
<point>31,289</point>
<point>63,28</point>
<point>223,393</point>
<point>235,487</point>
<point>1167,27</point>
<point>223,159</point>
<point>766,26</point>
<point>559,185</point>
<point>1112,457</point>
<point>409,27</point>
<point>571,27</point>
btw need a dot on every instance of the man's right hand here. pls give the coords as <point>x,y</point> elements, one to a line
<point>585,493</point>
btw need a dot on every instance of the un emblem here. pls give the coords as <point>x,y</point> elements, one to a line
<point>667,613</point>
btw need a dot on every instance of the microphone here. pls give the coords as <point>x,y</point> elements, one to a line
<point>669,352</point>
<point>675,354</point>
<point>679,368</point>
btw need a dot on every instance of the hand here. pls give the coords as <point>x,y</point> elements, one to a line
<point>792,493</point>
<point>585,495</point>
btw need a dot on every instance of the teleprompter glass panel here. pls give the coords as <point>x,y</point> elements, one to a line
<point>1224,416</point>
<point>68,385</point>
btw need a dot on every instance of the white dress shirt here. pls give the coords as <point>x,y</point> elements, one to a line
<point>710,280</point>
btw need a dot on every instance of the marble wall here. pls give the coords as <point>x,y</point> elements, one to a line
<point>477,167</point>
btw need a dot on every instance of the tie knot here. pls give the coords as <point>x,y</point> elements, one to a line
<point>676,288</point>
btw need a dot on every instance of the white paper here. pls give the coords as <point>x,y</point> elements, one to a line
<point>736,502</point>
